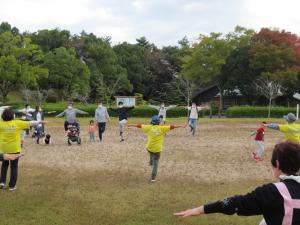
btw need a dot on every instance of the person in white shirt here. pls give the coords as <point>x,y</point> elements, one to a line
<point>193,116</point>
<point>162,110</point>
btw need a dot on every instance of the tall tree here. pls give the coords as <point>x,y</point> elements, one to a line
<point>67,74</point>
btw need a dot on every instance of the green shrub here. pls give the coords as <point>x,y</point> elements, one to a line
<point>257,112</point>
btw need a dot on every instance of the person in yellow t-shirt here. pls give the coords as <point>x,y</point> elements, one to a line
<point>10,143</point>
<point>291,130</point>
<point>156,135</point>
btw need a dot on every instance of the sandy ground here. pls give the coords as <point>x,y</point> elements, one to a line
<point>220,152</point>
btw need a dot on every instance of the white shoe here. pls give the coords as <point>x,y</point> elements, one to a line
<point>2,185</point>
<point>152,180</point>
<point>12,189</point>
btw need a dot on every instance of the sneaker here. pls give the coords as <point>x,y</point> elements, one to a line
<point>12,188</point>
<point>122,140</point>
<point>152,180</point>
<point>2,185</point>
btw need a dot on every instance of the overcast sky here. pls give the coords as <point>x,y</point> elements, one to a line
<point>162,22</point>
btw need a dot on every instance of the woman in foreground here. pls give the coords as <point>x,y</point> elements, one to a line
<point>279,203</point>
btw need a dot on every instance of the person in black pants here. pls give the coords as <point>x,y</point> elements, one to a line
<point>123,115</point>
<point>101,116</point>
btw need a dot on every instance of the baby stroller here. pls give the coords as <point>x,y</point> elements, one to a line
<point>73,134</point>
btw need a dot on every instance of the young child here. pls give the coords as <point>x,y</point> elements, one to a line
<point>91,129</point>
<point>259,142</point>
<point>156,135</point>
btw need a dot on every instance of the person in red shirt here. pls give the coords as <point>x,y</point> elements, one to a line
<point>259,142</point>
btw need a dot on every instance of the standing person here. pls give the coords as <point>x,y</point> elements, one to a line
<point>162,110</point>
<point>10,142</point>
<point>101,116</point>
<point>123,116</point>
<point>39,115</point>
<point>156,135</point>
<point>26,116</point>
<point>70,114</point>
<point>193,116</point>
<point>259,142</point>
<point>291,130</point>
<point>91,129</point>
<point>279,203</point>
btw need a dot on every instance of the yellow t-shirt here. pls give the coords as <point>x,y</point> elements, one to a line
<point>156,135</point>
<point>10,135</point>
<point>291,132</point>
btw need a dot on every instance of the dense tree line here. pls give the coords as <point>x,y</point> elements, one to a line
<point>56,65</point>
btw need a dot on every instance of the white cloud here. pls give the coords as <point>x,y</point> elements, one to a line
<point>162,22</point>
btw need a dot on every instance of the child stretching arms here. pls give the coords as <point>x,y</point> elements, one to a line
<point>156,135</point>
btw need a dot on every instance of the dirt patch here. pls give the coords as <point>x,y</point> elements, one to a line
<point>219,152</point>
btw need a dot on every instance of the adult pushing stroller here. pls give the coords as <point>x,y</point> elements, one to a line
<point>73,134</point>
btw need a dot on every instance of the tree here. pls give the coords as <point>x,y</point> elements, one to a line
<point>66,73</point>
<point>103,65</point>
<point>271,86</point>
<point>9,70</point>
<point>49,40</point>
<point>21,62</point>
<point>276,63</point>
<point>209,56</point>
<point>132,58</point>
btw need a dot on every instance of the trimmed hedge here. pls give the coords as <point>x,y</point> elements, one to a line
<point>257,112</point>
<point>138,111</point>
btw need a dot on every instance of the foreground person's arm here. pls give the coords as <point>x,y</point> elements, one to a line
<point>250,204</point>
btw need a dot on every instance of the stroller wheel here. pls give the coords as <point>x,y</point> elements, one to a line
<point>79,141</point>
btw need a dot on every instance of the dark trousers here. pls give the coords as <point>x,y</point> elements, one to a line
<point>66,124</point>
<point>154,159</point>
<point>13,172</point>
<point>101,129</point>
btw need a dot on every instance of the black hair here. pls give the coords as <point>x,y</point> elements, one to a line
<point>8,114</point>
<point>120,103</point>
<point>288,156</point>
<point>264,122</point>
<point>26,105</point>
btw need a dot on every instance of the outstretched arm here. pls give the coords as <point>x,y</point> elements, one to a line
<point>135,125</point>
<point>177,126</point>
<point>80,111</point>
<point>171,107</point>
<point>154,107</point>
<point>273,126</point>
<point>61,114</point>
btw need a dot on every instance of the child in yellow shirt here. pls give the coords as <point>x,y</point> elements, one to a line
<point>156,135</point>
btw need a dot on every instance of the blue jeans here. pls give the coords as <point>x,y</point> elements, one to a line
<point>193,125</point>
<point>92,136</point>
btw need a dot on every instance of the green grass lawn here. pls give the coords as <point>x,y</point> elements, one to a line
<point>49,196</point>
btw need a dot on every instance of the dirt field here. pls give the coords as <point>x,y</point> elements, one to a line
<point>107,183</point>
<point>220,152</point>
